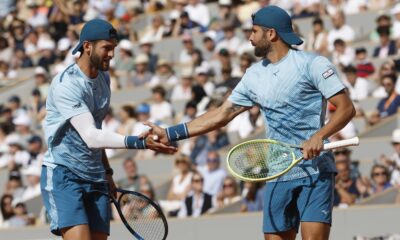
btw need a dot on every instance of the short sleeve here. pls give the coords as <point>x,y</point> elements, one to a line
<point>69,99</point>
<point>240,94</point>
<point>325,77</point>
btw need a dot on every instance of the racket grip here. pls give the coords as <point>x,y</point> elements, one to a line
<point>343,143</point>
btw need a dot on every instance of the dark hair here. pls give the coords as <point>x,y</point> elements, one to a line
<point>349,69</point>
<point>6,215</point>
<point>361,50</point>
<point>198,93</point>
<point>392,77</point>
<point>318,21</point>
<point>339,42</point>
<point>160,90</point>
<point>383,31</point>
<point>130,110</point>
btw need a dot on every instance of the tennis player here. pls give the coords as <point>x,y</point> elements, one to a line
<point>76,176</point>
<point>292,88</point>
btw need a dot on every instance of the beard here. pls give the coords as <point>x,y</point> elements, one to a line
<point>99,63</point>
<point>263,49</point>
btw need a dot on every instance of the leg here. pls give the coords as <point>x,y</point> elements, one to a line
<point>98,236</point>
<point>315,231</point>
<point>78,232</point>
<point>288,235</point>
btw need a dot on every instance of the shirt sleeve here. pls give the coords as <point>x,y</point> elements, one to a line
<point>325,77</point>
<point>69,99</point>
<point>240,94</point>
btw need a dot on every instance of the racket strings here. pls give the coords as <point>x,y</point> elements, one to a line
<point>142,217</point>
<point>257,160</point>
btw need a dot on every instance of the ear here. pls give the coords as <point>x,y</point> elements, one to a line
<point>87,47</point>
<point>273,35</point>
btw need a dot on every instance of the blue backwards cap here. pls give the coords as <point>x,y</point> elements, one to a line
<point>278,19</point>
<point>96,29</point>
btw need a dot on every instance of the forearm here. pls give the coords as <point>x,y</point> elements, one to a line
<point>338,120</point>
<point>207,122</point>
<point>99,138</point>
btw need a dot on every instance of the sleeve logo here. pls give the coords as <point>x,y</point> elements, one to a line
<point>328,73</point>
<point>78,105</point>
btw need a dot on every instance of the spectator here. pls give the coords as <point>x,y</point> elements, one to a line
<point>127,119</point>
<point>156,31</point>
<point>185,25</point>
<point>389,105</point>
<point>230,42</point>
<point>21,217</point>
<point>6,72</point>
<point>198,12</point>
<point>245,10</point>
<point>190,112</point>
<point>197,202</point>
<point>358,87</point>
<point>381,21</point>
<point>229,194</point>
<point>364,66</point>
<point>185,56</point>
<point>41,81</point>
<point>229,82</point>
<point>318,38</point>
<point>6,51</point>
<point>212,172</point>
<point>208,48</point>
<point>23,128</point>
<point>164,75</point>
<point>340,30</point>
<point>387,68</point>
<point>380,179</point>
<point>346,188</point>
<point>343,154</point>
<point>246,60</point>
<point>35,149</point>
<point>355,6</point>
<point>124,61</point>
<point>146,47</point>
<point>306,8</point>
<point>7,210</point>
<point>393,162</point>
<point>246,46</point>
<point>342,55</point>
<point>180,185</point>
<point>17,155</point>
<point>131,181</point>
<point>160,109</point>
<point>143,115</point>
<point>14,185</point>
<point>142,75</point>
<point>32,189</point>
<point>183,90</point>
<point>386,46</point>
<point>203,80</point>
<point>197,61</point>
<point>252,197</point>
<point>396,23</point>
<point>226,14</point>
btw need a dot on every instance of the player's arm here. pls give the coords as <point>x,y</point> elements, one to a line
<point>207,122</point>
<point>345,111</point>
<point>109,174</point>
<point>99,138</point>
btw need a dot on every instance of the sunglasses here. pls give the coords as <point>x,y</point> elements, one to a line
<point>379,174</point>
<point>197,180</point>
<point>212,160</point>
<point>227,185</point>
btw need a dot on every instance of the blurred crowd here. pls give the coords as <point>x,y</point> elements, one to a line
<point>213,53</point>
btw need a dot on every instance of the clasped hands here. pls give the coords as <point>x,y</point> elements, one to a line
<point>157,140</point>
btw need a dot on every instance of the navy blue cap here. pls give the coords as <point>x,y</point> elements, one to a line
<point>96,29</point>
<point>35,138</point>
<point>278,19</point>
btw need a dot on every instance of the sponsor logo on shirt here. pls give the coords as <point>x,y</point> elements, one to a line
<point>78,105</point>
<point>328,73</point>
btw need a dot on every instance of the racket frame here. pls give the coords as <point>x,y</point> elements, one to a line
<point>151,202</point>
<point>328,146</point>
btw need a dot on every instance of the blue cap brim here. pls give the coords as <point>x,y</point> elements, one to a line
<point>290,38</point>
<point>77,48</point>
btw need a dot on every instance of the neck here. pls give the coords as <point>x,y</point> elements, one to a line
<point>278,51</point>
<point>86,67</point>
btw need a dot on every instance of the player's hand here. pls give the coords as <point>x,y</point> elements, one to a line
<point>153,144</point>
<point>312,147</point>
<point>159,132</point>
<point>112,188</point>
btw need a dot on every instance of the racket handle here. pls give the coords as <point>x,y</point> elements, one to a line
<point>343,143</point>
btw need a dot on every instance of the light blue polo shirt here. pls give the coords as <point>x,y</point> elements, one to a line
<point>292,96</point>
<point>73,93</point>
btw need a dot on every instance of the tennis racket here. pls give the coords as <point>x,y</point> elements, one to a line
<point>141,216</point>
<point>266,159</point>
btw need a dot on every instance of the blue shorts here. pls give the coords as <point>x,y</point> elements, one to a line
<point>288,203</point>
<point>71,200</point>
